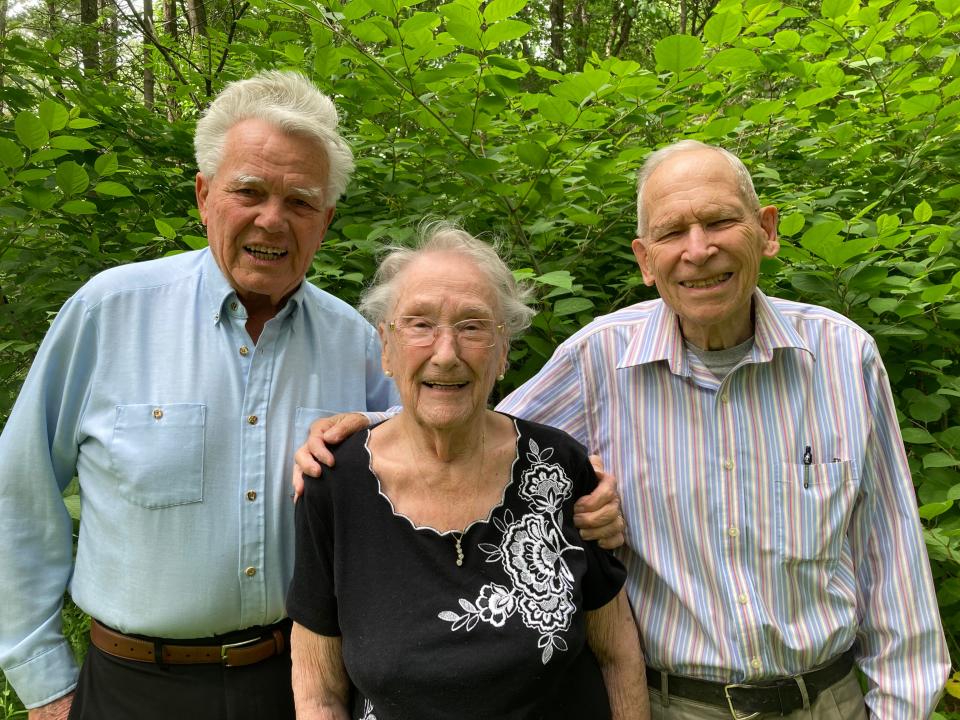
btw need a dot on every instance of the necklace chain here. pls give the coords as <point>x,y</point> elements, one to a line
<point>457,536</point>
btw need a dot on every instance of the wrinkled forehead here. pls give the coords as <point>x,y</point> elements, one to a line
<point>694,182</point>
<point>444,282</point>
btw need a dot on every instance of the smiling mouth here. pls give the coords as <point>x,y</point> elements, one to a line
<point>445,385</point>
<point>262,252</point>
<point>707,282</point>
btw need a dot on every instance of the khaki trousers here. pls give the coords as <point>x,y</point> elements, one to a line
<point>842,701</point>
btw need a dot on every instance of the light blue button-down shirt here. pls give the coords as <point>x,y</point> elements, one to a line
<point>182,432</point>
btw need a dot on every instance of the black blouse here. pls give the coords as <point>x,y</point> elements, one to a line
<point>500,637</point>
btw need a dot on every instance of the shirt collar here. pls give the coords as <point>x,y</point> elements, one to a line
<point>221,298</point>
<point>660,338</point>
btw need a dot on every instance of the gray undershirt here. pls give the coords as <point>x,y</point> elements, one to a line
<point>721,362</point>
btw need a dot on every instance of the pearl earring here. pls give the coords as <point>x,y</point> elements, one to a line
<point>500,376</point>
<point>388,373</point>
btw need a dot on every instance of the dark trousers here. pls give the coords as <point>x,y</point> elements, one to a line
<point>111,688</point>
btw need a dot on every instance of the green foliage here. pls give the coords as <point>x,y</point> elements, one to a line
<point>847,113</point>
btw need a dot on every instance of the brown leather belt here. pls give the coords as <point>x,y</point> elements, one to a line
<point>269,643</point>
<point>780,696</point>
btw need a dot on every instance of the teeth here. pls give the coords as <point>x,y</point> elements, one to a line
<point>709,282</point>
<point>265,253</point>
<point>442,384</point>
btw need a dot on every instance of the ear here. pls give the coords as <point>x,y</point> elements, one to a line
<point>643,260</point>
<point>326,226</point>
<point>384,335</point>
<point>202,190</point>
<point>768,222</point>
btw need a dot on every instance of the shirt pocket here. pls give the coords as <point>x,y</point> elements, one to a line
<point>305,417</point>
<point>157,453</point>
<point>815,504</point>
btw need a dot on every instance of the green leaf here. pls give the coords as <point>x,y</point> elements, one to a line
<point>932,510</point>
<point>164,229</point>
<point>557,278</point>
<point>72,179</point>
<point>569,306</point>
<point>68,142</point>
<point>195,242</point>
<point>735,58</point>
<point>558,110</point>
<point>72,503</point>
<point>723,27</point>
<point>503,31</point>
<point>30,130</point>
<point>82,123</point>
<point>113,189</point>
<point>532,154</point>
<point>106,164</point>
<point>53,115</point>
<point>939,460</point>
<point>498,10</point>
<point>787,39</point>
<point>39,198</point>
<point>917,436</point>
<point>10,154</point>
<point>678,52</point>
<point>923,212</point>
<point>835,8</point>
<point>927,409</point>
<point>792,224</point>
<point>947,8</point>
<point>936,293</point>
<point>815,96</point>
<point>79,207</point>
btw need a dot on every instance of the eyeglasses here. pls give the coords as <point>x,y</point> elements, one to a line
<point>417,331</point>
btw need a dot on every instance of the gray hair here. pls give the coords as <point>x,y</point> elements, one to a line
<point>744,182</point>
<point>289,102</point>
<point>445,237</point>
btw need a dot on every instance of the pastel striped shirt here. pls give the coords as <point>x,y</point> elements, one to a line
<point>749,556</point>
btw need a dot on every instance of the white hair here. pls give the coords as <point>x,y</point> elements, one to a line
<point>445,237</point>
<point>744,182</point>
<point>289,102</point>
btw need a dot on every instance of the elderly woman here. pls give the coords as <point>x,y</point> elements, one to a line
<point>438,573</point>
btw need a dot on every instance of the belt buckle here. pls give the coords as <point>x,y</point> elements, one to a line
<point>224,649</point>
<point>733,710</point>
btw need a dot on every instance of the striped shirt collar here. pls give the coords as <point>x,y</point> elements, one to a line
<point>660,338</point>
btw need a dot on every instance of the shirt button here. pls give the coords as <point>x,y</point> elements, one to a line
<point>157,413</point>
<point>244,350</point>
<point>251,571</point>
<point>733,532</point>
<point>728,465</point>
<point>251,495</point>
<point>755,663</point>
<point>252,420</point>
<point>743,599</point>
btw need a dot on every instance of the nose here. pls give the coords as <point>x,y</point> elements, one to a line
<point>272,215</point>
<point>699,245</point>
<point>446,352</point>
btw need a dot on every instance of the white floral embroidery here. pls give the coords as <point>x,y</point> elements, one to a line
<point>531,554</point>
<point>368,711</point>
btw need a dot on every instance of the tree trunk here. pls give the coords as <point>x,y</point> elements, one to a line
<point>110,32</point>
<point>581,33</point>
<point>626,25</point>
<point>89,45</point>
<point>3,23</point>
<point>683,17</point>
<point>148,79</point>
<point>556,30</point>
<point>170,18</point>
<point>197,17</point>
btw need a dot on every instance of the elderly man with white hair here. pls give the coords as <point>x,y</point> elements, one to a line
<point>177,390</point>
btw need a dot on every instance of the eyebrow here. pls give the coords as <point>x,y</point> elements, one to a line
<point>311,193</point>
